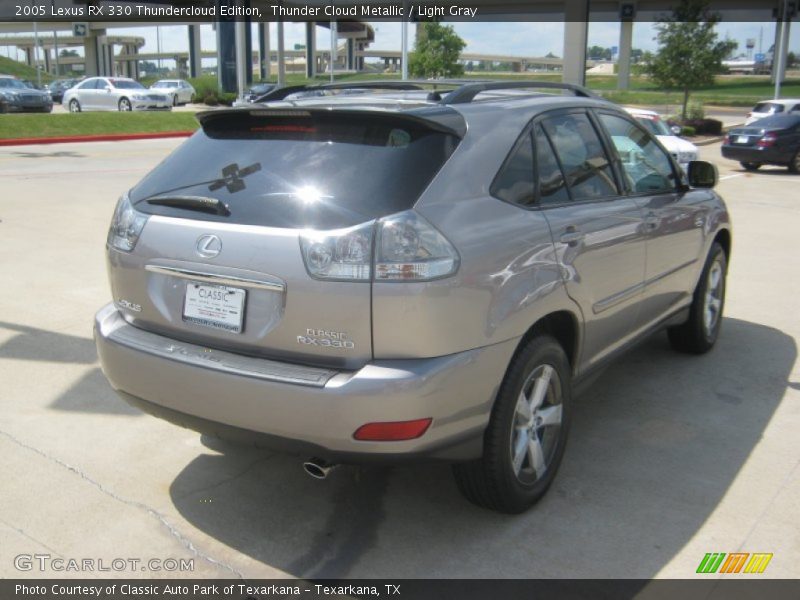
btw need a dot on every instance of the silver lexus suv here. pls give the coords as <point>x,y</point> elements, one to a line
<point>386,272</point>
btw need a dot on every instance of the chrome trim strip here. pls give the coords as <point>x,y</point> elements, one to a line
<point>607,303</point>
<point>216,279</point>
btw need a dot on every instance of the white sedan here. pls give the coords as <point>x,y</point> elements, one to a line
<point>768,108</point>
<point>113,93</point>
<point>682,150</point>
<point>179,90</point>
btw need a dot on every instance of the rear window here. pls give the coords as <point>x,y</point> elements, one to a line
<point>777,122</point>
<point>316,170</point>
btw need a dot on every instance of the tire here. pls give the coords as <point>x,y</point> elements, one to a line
<point>794,166</point>
<point>751,166</point>
<point>124,105</point>
<point>175,100</point>
<point>539,371</point>
<point>74,106</point>
<point>3,109</point>
<point>699,334</point>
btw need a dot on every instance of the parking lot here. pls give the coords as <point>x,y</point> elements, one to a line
<point>670,456</point>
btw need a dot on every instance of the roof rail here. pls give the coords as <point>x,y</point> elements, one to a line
<point>464,90</point>
<point>467,92</point>
<point>279,93</point>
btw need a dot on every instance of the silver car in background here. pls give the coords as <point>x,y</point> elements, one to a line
<point>408,274</point>
<point>113,93</point>
<point>179,90</point>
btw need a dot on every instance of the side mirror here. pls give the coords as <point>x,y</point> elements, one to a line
<point>676,129</point>
<point>107,88</point>
<point>702,174</point>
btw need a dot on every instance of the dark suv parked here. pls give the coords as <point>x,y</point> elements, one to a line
<point>408,273</point>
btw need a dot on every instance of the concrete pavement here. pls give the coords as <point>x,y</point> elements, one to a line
<point>670,456</point>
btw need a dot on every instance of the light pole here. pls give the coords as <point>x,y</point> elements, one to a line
<point>158,48</point>
<point>36,54</point>
<point>334,36</point>
<point>777,65</point>
<point>404,41</point>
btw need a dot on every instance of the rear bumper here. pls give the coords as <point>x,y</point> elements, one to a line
<point>756,155</point>
<point>306,409</point>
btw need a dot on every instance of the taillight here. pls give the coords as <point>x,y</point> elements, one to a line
<point>768,140</point>
<point>393,431</point>
<point>407,248</point>
<point>342,254</point>
<point>126,226</point>
<point>726,139</point>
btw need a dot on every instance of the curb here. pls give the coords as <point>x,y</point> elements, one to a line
<point>94,138</point>
<point>714,140</point>
<point>709,141</point>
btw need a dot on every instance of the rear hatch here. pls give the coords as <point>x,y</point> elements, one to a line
<point>219,260</point>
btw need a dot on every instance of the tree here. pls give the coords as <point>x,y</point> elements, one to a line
<point>436,52</point>
<point>599,53</point>
<point>689,52</point>
<point>68,53</point>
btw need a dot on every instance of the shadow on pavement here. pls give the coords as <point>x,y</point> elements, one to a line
<point>57,154</point>
<point>655,445</point>
<point>91,394</point>
<point>42,345</point>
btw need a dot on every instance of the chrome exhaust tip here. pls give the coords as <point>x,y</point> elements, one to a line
<point>318,468</point>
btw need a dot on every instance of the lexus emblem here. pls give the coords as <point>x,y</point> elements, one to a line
<point>208,246</point>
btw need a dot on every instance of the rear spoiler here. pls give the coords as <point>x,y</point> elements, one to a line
<point>436,118</point>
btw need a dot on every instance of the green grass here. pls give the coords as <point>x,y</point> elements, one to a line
<point>20,70</point>
<point>39,125</point>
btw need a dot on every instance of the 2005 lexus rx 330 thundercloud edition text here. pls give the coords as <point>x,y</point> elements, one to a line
<point>387,272</point>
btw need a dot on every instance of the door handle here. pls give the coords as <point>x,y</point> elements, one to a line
<point>572,236</point>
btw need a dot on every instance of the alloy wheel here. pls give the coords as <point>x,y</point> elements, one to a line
<point>537,424</point>
<point>713,298</point>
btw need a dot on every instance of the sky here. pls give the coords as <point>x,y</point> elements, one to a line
<point>503,38</point>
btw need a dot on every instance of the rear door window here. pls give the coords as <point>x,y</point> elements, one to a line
<point>583,160</point>
<point>321,169</point>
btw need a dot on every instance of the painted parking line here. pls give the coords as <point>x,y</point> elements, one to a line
<point>731,176</point>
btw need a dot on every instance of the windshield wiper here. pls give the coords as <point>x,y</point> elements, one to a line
<point>198,203</point>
